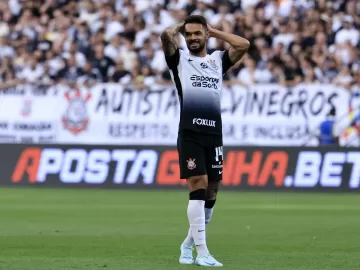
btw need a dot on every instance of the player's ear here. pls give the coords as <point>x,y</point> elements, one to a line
<point>207,36</point>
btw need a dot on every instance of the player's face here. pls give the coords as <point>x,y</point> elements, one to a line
<point>195,36</point>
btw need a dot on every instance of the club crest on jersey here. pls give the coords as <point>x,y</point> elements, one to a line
<point>191,164</point>
<point>213,64</point>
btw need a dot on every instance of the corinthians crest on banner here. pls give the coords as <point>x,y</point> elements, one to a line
<point>76,118</point>
<point>26,108</point>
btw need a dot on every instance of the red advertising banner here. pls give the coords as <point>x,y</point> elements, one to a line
<point>335,169</point>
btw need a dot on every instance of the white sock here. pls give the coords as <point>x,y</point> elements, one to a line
<point>208,215</point>
<point>189,240</point>
<point>196,215</point>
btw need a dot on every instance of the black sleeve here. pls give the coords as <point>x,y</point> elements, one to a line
<point>226,62</point>
<point>173,60</point>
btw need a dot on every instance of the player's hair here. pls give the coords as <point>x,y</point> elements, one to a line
<point>196,19</point>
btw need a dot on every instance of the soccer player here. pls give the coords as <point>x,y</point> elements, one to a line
<point>198,79</point>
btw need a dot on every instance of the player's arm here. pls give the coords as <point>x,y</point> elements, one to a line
<point>169,44</point>
<point>239,45</point>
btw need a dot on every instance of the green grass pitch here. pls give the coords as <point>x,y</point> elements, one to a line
<point>121,229</point>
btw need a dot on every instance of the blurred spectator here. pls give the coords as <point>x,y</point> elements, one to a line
<point>222,15</point>
<point>128,54</point>
<point>344,77</point>
<point>329,131</point>
<point>88,75</point>
<point>71,71</point>
<point>101,62</point>
<point>284,37</point>
<point>114,48</point>
<point>46,79</point>
<point>7,71</point>
<point>80,58</point>
<point>204,10</point>
<point>90,41</point>
<point>41,42</point>
<point>142,33</point>
<point>114,27</point>
<point>248,75</point>
<point>292,72</point>
<point>348,32</point>
<point>121,75</point>
<point>81,37</point>
<point>33,70</point>
<point>5,49</point>
<point>88,12</point>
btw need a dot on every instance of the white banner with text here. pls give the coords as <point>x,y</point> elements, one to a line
<point>115,114</point>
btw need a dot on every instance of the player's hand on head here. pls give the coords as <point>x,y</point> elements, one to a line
<point>210,29</point>
<point>182,28</point>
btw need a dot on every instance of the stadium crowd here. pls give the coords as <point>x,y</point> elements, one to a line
<point>84,41</point>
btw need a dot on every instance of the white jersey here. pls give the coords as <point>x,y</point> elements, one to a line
<point>198,81</point>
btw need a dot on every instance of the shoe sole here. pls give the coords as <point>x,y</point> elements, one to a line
<point>187,263</point>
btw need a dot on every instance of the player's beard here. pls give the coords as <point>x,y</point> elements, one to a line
<point>198,49</point>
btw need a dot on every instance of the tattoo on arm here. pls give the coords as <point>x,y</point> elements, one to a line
<point>239,45</point>
<point>236,55</point>
<point>169,43</point>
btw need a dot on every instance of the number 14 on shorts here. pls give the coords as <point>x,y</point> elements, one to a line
<point>218,153</point>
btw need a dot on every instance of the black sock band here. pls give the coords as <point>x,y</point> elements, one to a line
<point>209,203</point>
<point>199,194</point>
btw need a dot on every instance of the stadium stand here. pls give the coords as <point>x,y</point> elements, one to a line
<point>46,42</point>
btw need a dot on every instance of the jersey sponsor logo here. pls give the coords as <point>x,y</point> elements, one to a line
<point>191,164</point>
<point>204,65</point>
<point>76,117</point>
<point>204,122</point>
<point>204,81</point>
<point>91,166</point>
